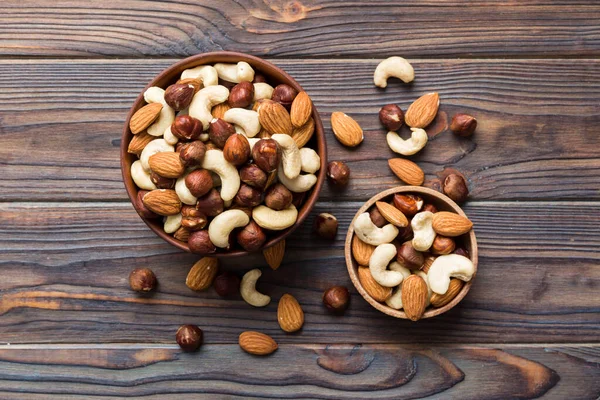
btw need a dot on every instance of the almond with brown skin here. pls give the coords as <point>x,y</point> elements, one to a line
<point>407,171</point>
<point>195,82</point>
<point>374,289</point>
<point>346,130</point>
<point>427,264</point>
<point>162,202</point>
<point>144,117</point>
<point>274,254</point>
<point>301,109</point>
<point>202,273</point>
<point>423,111</point>
<point>182,234</point>
<point>440,300</point>
<point>414,297</point>
<point>274,118</point>
<point>138,142</point>
<point>219,110</point>
<point>166,164</point>
<point>361,251</point>
<point>257,343</point>
<point>450,224</point>
<point>303,134</point>
<point>392,214</point>
<point>289,313</point>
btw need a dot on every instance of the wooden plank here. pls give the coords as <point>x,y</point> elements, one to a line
<point>301,371</point>
<point>309,28</point>
<point>64,275</point>
<point>61,123</point>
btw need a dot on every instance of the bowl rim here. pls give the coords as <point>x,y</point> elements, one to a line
<point>260,65</point>
<point>352,265</point>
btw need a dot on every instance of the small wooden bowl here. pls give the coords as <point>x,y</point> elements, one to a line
<point>443,203</point>
<point>275,76</point>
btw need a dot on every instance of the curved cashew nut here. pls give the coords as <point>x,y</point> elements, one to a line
<point>311,162</point>
<point>155,146</point>
<point>273,220</point>
<point>172,223</point>
<point>262,90</point>
<point>423,275</point>
<point>205,100</point>
<point>204,137</point>
<point>206,73</point>
<point>183,192</point>
<point>249,292</point>
<point>246,119</point>
<point>252,142</point>
<point>397,67</point>
<point>222,225</point>
<point>291,163</point>
<point>424,235</point>
<point>141,177</point>
<point>418,140</point>
<point>446,267</point>
<point>378,263</point>
<point>167,114</point>
<point>300,184</point>
<point>395,300</point>
<point>230,179</point>
<point>369,233</point>
<point>170,138</point>
<point>236,73</point>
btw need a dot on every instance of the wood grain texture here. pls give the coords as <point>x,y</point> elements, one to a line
<point>61,122</point>
<point>300,28</point>
<point>65,269</point>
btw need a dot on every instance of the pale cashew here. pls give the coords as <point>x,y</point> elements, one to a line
<point>207,74</point>
<point>240,72</point>
<point>170,138</point>
<point>369,233</point>
<point>246,119</point>
<point>446,267</point>
<point>418,140</point>
<point>249,292</point>
<point>240,130</point>
<point>424,235</point>
<point>184,193</point>
<point>252,142</point>
<point>378,263</point>
<point>141,177</point>
<point>311,162</point>
<point>172,223</point>
<point>204,137</point>
<point>273,220</point>
<point>222,225</point>
<point>262,90</point>
<point>167,114</point>
<point>300,184</point>
<point>155,146</point>
<point>395,300</point>
<point>291,163</point>
<point>230,179</point>
<point>397,67</point>
<point>423,275</point>
<point>205,100</point>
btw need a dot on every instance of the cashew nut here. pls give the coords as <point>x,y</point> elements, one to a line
<point>172,223</point>
<point>230,179</point>
<point>155,146</point>
<point>273,220</point>
<point>183,192</point>
<point>423,275</point>
<point>300,184</point>
<point>424,234</point>
<point>141,177</point>
<point>397,67</point>
<point>204,100</point>
<point>418,140</point>
<point>378,263</point>
<point>204,137</point>
<point>167,114</point>
<point>369,233</point>
<point>395,300</point>
<point>206,73</point>
<point>262,90</point>
<point>169,137</point>
<point>222,225</point>
<point>252,142</point>
<point>236,73</point>
<point>446,267</point>
<point>246,119</point>
<point>249,292</point>
<point>291,163</point>
<point>311,162</point>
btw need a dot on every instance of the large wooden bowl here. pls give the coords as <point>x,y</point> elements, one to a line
<point>275,76</point>
<point>443,203</point>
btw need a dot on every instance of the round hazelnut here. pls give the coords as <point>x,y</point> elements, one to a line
<point>336,298</point>
<point>189,337</point>
<point>161,182</point>
<point>434,184</point>
<point>142,280</point>
<point>211,204</point>
<point>391,116</point>
<point>192,154</point>
<point>186,127</point>
<point>219,131</point>
<point>462,252</point>
<point>199,243</point>
<point>199,182</point>
<point>141,208</point>
<point>456,188</point>
<point>252,175</point>
<point>179,96</point>
<point>237,149</point>
<point>405,233</point>
<point>192,219</point>
<point>298,199</point>
<point>429,207</point>
<point>338,173</point>
<point>442,245</point>
<point>251,237</point>
<point>409,257</point>
<point>241,95</point>
<point>211,146</point>
<point>278,197</point>
<point>326,226</point>
<point>227,284</point>
<point>258,78</point>
<point>284,95</point>
<point>409,204</point>
<point>377,218</point>
<point>247,196</point>
<point>266,154</point>
<point>463,125</point>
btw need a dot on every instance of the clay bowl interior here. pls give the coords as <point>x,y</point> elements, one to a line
<point>442,203</point>
<point>275,76</point>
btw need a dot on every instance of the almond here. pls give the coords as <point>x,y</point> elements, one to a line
<point>450,224</point>
<point>423,111</point>
<point>392,214</point>
<point>182,234</point>
<point>301,109</point>
<point>274,254</point>
<point>407,170</point>
<point>202,273</point>
<point>138,142</point>
<point>195,82</point>
<point>346,130</point>
<point>219,110</point>
<point>162,202</point>
<point>427,264</point>
<point>257,343</point>
<point>166,164</point>
<point>414,297</point>
<point>144,117</point>
<point>374,289</point>
<point>263,134</point>
<point>361,251</point>
<point>289,313</point>
<point>440,300</point>
<point>274,118</point>
<point>303,134</point>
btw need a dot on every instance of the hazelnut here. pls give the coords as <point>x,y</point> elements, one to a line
<point>409,257</point>
<point>179,146</point>
<point>142,280</point>
<point>227,284</point>
<point>252,237</point>
<point>463,125</point>
<point>182,234</point>
<point>326,226</point>
<point>434,184</point>
<point>462,252</point>
<point>247,210</point>
<point>442,245</point>
<point>338,173</point>
<point>192,219</point>
<point>456,188</point>
<point>409,204</point>
<point>189,337</point>
<point>161,182</point>
<point>241,95</point>
<point>298,199</point>
<point>211,204</point>
<point>278,197</point>
<point>192,154</point>
<point>253,176</point>
<point>199,243</point>
<point>199,182</point>
<point>377,218</point>
<point>258,78</point>
<point>405,233</point>
<point>391,116</point>
<point>219,131</point>
<point>179,96</point>
<point>141,208</point>
<point>284,95</point>
<point>211,146</point>
<point>429,207</point>
<point>336,298</point>
<point>247,196</point>
<point>186,127</point>
<point>266,155</point>
<point>237,149</point>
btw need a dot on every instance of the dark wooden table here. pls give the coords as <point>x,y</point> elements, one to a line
<point>529,71</point>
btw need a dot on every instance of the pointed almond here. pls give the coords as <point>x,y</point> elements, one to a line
<point>163,202</point>
<point>414,297</point>
<point>346,130</point>
<point>427,264</point>
<point>144,117</point>
<point>219,110</point>
<point>195,82</point>
<point>362,251</point>
<point>407,170</point>
<point>274,118</point>
<point>440,300</point>
<point>374,289</point>
<point>450,224</point>
<point>202,274</point>
<point>166,164</point>
<point>138,142</point>
<point>301,109</point>
<point>423,111</point>
<point>274,254</point>
<point>303,134</point>
<point>392,214</point>
<point>289,313</point>
<point>257,343</point>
